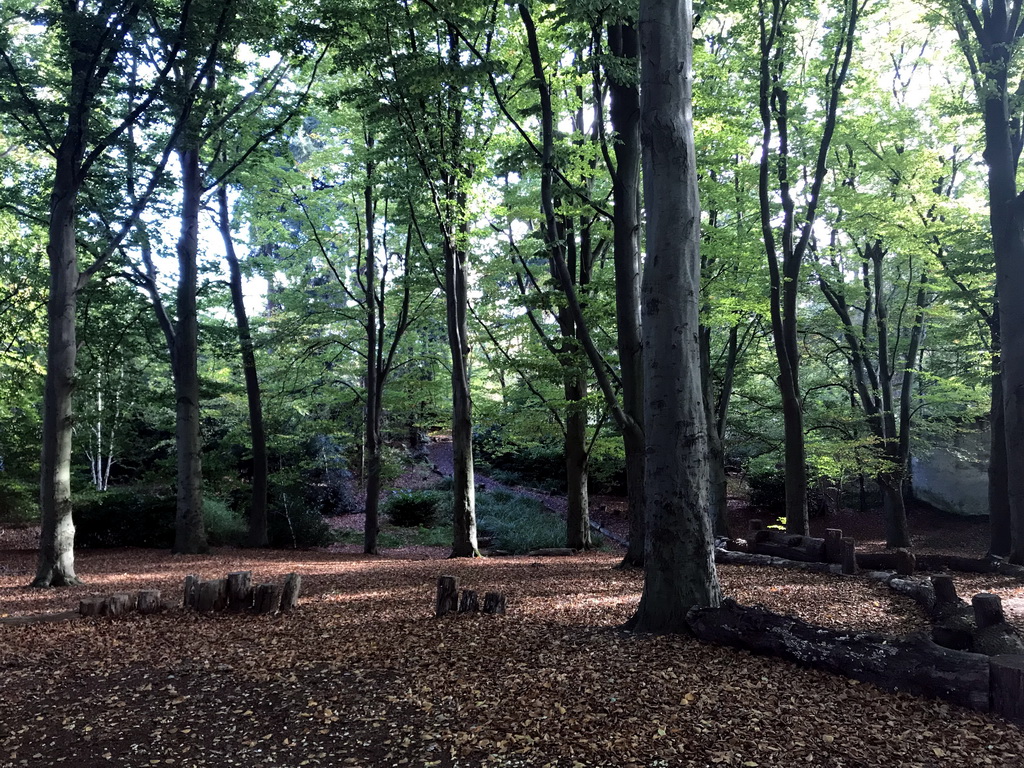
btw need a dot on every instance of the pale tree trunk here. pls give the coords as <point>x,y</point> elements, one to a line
<point>577,516</point>
<point>189,530</point>
<point>624,112</point>
<point>257,535</point>
<point>56,566</point>
<point>679,563</point>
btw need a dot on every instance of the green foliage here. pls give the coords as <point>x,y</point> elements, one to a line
<point>296,526</point>
<point>19,505</point>
<point>411,509</point>
<point>518,524</point>
<point>224,526</point>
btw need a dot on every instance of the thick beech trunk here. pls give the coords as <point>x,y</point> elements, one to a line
<point>189,530</point>
<point>679,564</point>
<point>56,566</point>
<point>624,112</point>
<point>257,534</point>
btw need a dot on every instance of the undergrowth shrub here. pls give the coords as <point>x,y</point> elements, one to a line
<point>293,525</point>
<point>518,524</point>
<point>19,503</point>
<point>415,509</point>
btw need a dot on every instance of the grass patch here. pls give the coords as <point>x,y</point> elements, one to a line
<point>518,524</point>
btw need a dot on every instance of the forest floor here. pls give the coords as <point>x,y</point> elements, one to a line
<point>362,674</point>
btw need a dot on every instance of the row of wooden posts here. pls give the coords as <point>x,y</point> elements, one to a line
<point>235,593</point>
<point>449,600</point>
<point>833,548</point>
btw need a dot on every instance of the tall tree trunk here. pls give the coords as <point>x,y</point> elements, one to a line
<point>624,112</point>
<point>257,534</point>
<point>679,556</point>
<point>718,500</point>
<point>576,464</point>
<point>56,566</point>
<point>189,530</point>
<point>457,301</point>
<point>371,527</point>
<point>1000,537</point>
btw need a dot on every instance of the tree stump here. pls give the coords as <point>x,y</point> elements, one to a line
<point>149,602</point>
<point>469,602</point>
<point>267,598</point>
<point>290,592</point>
<point>447,595</point>
<point>1006,678</point>
<point>239,591</point>
<point>213,595</point>
<point>833,545</point>
<point>945,590</point>
<point>988,610</point>
<point>191,597</point>
<point>849,555</point>
<point>90,606</point>
<point>118,605</point>
<point>906,563</point>
<point>494,602</point>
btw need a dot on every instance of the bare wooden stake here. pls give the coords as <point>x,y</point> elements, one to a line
<point>118,605</point>
<point>90,606</point>
<point>191,598</point>
<point>494,602</point>
<point>849,550</point>
<point>1006,678</point>
<point>447,595</point>
<point>833,545</point>
<point>213,595</point>
<point>469,602</point>
<point>290,593</point>
<point>945,590</point>
<point>239,591</point>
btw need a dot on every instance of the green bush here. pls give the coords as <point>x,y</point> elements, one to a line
<point>296,526</point>
<point>224,526</point>
<point>414,509</point>
<point>518,524</point>
<point>19,503</point>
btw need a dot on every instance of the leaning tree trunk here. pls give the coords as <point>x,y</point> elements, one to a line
<point>624,112</point>
<point>679,556</point>
<point>257,534</point>
<point>56,566</point>
<point>189,530</point>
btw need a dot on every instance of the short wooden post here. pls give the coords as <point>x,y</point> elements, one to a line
<point>118,605</point>
<point>833,545</point>
<point>1006,684</point>
<point>494,602</point>
<point>149,601</point>
<point>945,590</point>
<point>239,591</point>
<point>447,595</point>
<point>469,602</point>
<point>988,610</point>
<point>906,563</point>
<point>267,598</point>
<point>290,592</point>
<point>191,598</point>
<point>90,606</point>
<point>849,555</point>
<point>213,595</point>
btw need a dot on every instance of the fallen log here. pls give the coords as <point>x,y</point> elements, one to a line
<point>913,665</point>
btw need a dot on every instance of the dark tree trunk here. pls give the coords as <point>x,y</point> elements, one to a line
<point>999,503</point>
<point>372,441</point>
<point>189,530</point>
<point>679,568</point>
<point>56,566</point>
<point>257,534</point>
<point>624,112</point>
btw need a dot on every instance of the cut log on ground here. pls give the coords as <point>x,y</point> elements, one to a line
<point>290,592</point>
<point>267,598</point>
<point>118,605</point>
<point>833,545</point>
<point>914,665</point>
<point>149,602</point>
<point>90,606</point>
<point>191,596</point>
<point>494,602</point>
<point>1008,687</point>
<point>447,595</point>
<point>213,595</point>
<point>469,602</point>
<point>239,591</point>
<point>848,550</point>
<point>552,552</point>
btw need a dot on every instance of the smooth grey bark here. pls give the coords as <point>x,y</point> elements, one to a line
<point>715,412</point>
<point>624,114</point>
<point>257,535</point>
<point>989,39</point>
<point>189,529</point>
<point>679,568</point>
<point>786,247</point>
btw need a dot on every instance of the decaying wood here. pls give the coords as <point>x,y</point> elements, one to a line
<point>290,592</point>
<point>118,605</point>
<point>988,610</point>
<point>945,590</point>
<point>914,665</point>
<point>43,618</point>
<point>191,596</point>
<point>90,606</point>
<point>213,595</point>
<point>552,552</point>
<point>447,595</point>
<point>149,602</point>
<point>833,545</point>
<point>1007,674</point>
<point>920,590</point>
<point>469,602</point>
<point>239,591</point>
<point>848,549</point>
<point>494,602</point>
<point>267,598</point>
